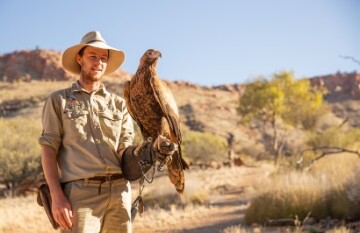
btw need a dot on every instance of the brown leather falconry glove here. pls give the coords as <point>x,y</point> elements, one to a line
<point>137,160</point>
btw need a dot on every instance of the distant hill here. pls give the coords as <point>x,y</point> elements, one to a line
<point>37,64</point>
<point>40,64</point>
<point>202,108</point>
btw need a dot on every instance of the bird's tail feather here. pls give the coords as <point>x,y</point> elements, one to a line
<point>176,170</point>
<point>183,164</point>
<point>177,177</point>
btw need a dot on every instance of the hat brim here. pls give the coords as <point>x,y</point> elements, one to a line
<point>116,57</point>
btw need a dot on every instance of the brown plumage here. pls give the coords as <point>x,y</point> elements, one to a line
<point>152,105</point>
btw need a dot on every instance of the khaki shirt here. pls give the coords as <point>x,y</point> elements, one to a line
<point>86,130</point>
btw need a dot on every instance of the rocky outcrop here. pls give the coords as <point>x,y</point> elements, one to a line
<point>231,87</point>
<point>340,86</point>
<point>32,65</point>
<point>38,64</point>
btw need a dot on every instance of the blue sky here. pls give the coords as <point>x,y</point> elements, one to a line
<point>202,41</point>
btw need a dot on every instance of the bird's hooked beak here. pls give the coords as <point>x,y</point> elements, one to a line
<point>150,56</point>
<point>158,54</point>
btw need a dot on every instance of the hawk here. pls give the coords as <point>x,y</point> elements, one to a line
<point>152,105</point>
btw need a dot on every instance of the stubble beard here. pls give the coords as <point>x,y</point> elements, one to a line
<point>89,78</point>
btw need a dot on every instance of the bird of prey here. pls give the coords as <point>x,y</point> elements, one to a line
<point>152,105</point>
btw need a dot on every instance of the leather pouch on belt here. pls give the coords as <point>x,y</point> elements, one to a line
<point>44,200</point>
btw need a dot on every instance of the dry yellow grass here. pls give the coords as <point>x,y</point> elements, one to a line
<point>241,229</point>
<point>330,188</point>
<point>22,214</point>
<point>340,230</point>
<point>25,90</point>
<point>236,229</point>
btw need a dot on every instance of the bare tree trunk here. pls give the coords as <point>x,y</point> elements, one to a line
<point>275,143</point>
<point>278,143</point>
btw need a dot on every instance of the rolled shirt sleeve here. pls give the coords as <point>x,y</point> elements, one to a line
<point>52,126</point>
<point>127,132</point>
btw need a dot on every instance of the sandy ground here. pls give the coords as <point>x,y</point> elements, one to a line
<point>227,208</point>
<point>224,210</point>
<point>229,211</point>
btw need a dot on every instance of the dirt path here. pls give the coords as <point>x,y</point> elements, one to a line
<point>226,208</point>
<point>229,206</point>
<point>229,209</point>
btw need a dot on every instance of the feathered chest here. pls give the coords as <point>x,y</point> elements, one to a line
<point>144,101</point>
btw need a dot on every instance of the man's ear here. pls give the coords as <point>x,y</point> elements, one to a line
<point>79,59</point>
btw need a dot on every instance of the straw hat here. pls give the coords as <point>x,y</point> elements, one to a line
<point>94,39</point>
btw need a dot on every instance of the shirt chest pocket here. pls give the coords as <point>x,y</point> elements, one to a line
<point>110,122</point>
<point>76,121</point>
<point>76,115</point>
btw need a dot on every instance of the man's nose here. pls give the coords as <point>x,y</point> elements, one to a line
<point>98,60</point>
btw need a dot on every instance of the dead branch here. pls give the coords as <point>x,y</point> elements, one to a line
<point>326,150</point>
<point>351,58</point>
<point>344,122</point>
<point>281,222</point>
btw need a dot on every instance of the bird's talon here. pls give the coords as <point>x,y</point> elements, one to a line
<point>165,144</point>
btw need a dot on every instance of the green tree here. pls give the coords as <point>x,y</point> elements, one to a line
<point>281,102</point>
<point>304,104</point>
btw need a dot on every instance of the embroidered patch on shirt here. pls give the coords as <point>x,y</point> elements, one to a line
<point>72,103</point>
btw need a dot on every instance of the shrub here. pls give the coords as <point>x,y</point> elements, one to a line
<point>19,151</point>
<point>288,203</point>
<point>335,137</point>
<point>204,147</point>
<point>341,206</point>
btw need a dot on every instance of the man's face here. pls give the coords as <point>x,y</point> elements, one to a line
<point>93,63</point>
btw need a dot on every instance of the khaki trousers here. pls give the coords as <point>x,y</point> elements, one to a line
<point>106,212</point>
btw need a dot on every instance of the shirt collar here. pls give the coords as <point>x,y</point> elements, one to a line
<point>76,87</point>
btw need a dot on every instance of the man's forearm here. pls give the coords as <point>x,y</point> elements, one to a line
<point>60,206</point>
<point>49,163</point>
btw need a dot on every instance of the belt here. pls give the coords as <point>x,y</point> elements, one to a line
<point>107,178</point>
<point>104,179</point>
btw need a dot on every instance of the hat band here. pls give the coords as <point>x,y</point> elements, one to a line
<point>95,41</point>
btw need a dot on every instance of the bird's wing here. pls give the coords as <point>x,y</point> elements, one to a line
<point>128,103</point>
<point>166,100</point>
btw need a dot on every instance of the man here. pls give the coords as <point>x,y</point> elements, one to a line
<point>86,144</point>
